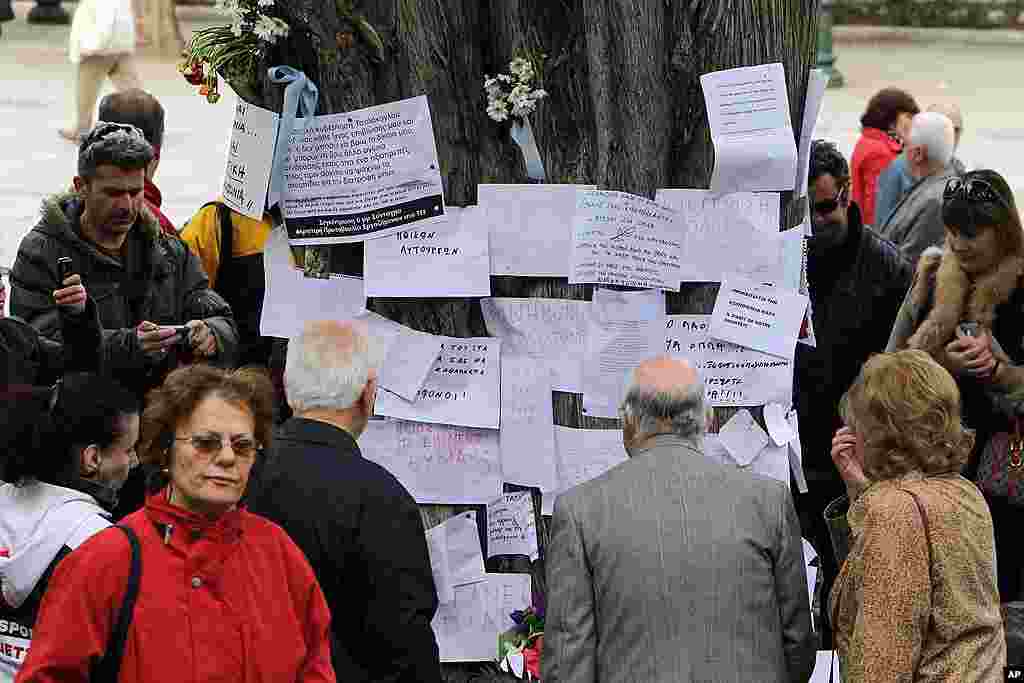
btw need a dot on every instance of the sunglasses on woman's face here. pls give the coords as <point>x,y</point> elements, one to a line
<point>827,206</point>
<point>973,190</point>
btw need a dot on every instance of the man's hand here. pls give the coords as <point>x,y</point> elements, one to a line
<point>72,296</point>
<point>155,339</point>
<point>203,341</point>
<point>848,456</point>
<point>971,356</point>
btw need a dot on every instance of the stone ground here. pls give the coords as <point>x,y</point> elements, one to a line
<point>35,101</point>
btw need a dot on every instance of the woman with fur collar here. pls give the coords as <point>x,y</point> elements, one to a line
<point>966,308</point>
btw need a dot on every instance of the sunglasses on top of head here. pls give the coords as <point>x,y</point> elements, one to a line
<point>973,190</point>
<point>827,206</point>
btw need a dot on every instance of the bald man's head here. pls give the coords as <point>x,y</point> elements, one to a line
<point>666,396</point>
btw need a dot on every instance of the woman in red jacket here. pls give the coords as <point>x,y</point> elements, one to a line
<point>225,595</point>
<point>885,126</point>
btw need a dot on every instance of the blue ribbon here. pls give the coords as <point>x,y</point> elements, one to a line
<point>522,135</point>
<point>300,99</point>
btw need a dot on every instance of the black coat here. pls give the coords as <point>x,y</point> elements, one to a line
<point>856,291</point>
<point>30,359</point>
<point>363,535</point>
<point>160,280</point>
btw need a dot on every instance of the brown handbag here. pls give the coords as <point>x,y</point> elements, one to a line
<point>1001,467</point>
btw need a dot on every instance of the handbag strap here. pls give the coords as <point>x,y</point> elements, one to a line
<point>109,667</point>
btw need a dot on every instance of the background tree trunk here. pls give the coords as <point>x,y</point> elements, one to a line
<point>625,112</point>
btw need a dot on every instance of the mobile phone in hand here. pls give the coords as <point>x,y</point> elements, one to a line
<point>969,329</point>
<point>65,269</point>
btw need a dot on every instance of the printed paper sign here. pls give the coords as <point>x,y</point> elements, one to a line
<point>437,464</point>
<point>751,129</point>
<point>623,239</point>
<point>363,174</point>
<point>549,331</point>
<point>743,438</point>
<point>250,158</point>
<point>445,259</point>
<point>467,629</point>
<point>511,527</point>
<point>462,388</point>
<point>733,375</point>
<point>763,318</point>
<point>584,454</point>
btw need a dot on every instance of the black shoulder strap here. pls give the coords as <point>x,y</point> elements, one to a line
<point>109,668</point>
<point>226,239</point>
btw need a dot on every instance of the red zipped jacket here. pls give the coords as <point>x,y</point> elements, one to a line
<point>227,600</point>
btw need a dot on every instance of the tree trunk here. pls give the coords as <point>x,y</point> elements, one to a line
<point>625,112</point>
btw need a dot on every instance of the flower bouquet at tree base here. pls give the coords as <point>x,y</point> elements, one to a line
<point>520,648</point>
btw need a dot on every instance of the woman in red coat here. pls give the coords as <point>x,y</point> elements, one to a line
<point>225,595</point>
<point>885,126</point>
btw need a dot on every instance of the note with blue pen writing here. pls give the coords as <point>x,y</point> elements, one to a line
<point>622,239</point>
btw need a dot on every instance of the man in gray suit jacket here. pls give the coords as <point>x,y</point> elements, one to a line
<point>671,567</point>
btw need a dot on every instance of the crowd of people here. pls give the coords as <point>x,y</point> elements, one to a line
<point>254,542</point>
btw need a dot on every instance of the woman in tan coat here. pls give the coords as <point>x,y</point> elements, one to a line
<point>916,599</point>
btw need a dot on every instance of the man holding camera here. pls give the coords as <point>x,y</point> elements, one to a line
<point>154,301</point>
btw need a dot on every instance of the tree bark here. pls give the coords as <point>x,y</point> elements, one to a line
<point>625,112</point>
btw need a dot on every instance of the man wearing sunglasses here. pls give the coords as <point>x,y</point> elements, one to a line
<point>857,282</point>
<point>916,222</point>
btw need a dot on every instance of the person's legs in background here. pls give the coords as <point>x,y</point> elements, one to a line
<point>89,76</point>
<point>125,73</point>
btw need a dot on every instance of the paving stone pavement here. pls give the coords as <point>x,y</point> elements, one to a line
<point>36,94</point>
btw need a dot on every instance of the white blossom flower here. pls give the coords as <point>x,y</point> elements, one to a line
<point>265,3</point>
<point>269,29</point>
<point>230,7</point>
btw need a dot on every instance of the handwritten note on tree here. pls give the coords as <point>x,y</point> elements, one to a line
<point>250,158</point>
<point>511,526</point>
<point>623,239</point>
<point>461,389</point>
<point>733,375</point>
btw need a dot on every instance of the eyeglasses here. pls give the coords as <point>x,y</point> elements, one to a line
<point>973,190</point>
<point>827,206</point>
<point>209,445</point>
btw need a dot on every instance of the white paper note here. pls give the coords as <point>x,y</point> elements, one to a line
<point>462,387</point>
<point>625,330</point>
<point>796,453</point>
<point>511,527</point>
<point>737,233</point>
<point>812,571</point>
<point>549,331</point>
<point>462,544</point>
<point>250,158</point>
<point>743,438</point>
<point>362,174</point>
<point>445,259</point>
<point>530,227</point>
<point>291,300</point>
<point>764,318</point>
<point>409,360</point>
<point>733,375</point>
<point>826,668</point>
<point>584,454</point>
<point>778,427</point>
<point>467,629</point>
<point>772,462</point>
<point>437,547</point>
<point>769,462</point>
<point>623,239</point>
<point>816,84</point>
<point>527,424</point>
<point>437,464</point>
<point>751,129</point>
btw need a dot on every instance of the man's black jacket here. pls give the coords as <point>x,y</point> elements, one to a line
<point>363,535</point>
<point>856,290</point>
<point>158,280</point>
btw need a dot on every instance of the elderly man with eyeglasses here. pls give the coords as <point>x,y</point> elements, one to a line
<point>857,281</point>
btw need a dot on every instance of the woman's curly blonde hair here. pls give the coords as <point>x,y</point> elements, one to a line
<point>906,407</point>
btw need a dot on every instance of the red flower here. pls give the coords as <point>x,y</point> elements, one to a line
<point>531,656</point>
